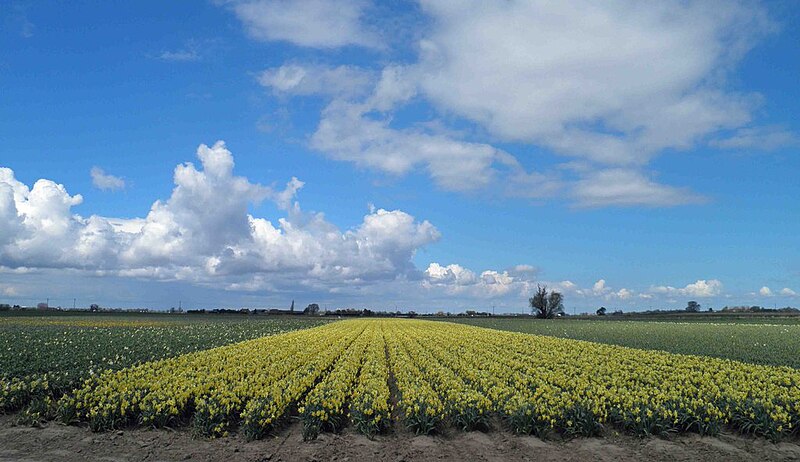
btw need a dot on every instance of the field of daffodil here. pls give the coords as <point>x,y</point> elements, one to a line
<point>43,357</point>
<point>378,374</point>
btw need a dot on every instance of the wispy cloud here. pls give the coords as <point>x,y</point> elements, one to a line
<point>758,139</point>
<point>105,181</point>
<point>307,23</point>
<point>19,14</point>
<point>190,52</point>
<point>185,55</point>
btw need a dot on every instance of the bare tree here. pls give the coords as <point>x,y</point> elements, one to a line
<point>546,305</point>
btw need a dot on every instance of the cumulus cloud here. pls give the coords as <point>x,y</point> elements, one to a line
<point>788,292</point>
<point>700,288</point>
<point>599,287</point>
<point>765,291</point>
<point>453,274</point>
<point>307,23</point>
<point>106,181</point>
<point>623,294</point>
<point>204,234</point>
<point>456,280</point>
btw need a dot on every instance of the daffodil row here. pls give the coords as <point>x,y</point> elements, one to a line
<point>465,404</point>
<point>421,406</point>
<point>276,392</point>
<point>324,406</point>
<point>370,411</point>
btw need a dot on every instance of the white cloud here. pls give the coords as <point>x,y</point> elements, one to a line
<point>19,18</point>
<point>307,23</point>
<point>757,138</point>
<point>186,55</point>
<point>626,187</point>
<point>346,133</point>
<point>599,287</point>
<point>10,291</point>
<point>623,294</point>
<point>204,234</point>
<point>614,82</point>
<point>611,85</point>
<point>788,292</point>
<point>765,291</point>
<point>523,269</point>
<point>566,286</point>
<point>454,279</point>
<point>350,131</point>
<point>700,288</point>
<point>106,181</point>
<point>308,79</point>
<point>450,274</point>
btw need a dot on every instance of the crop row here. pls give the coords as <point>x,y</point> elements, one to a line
<point>440,374</point>
<point>767,344</point>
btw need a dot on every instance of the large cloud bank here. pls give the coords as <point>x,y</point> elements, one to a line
<point>204,233</point>
<point>604,86</point>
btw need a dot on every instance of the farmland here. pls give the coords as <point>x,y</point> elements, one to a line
<point>753,341</point>
<point>428,377</point>
<point>43,357</point>
<point>291,388</point>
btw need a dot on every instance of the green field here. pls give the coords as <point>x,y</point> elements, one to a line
<point>46,356</point>
<point>770,344</point>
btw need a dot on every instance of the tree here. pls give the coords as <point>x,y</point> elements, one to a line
<point>311,309</point>
<point>693,307</point>
<point>601,311</point>
<point>546,305</point>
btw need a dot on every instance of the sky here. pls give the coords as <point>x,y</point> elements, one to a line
<point>426,155</point>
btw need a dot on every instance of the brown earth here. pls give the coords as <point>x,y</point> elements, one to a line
<point>77,444</point>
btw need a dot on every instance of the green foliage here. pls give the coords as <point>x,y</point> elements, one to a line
<point>469,418</point>
<point>526,421</point>
<point>769,344</point>
<point>421,421</point>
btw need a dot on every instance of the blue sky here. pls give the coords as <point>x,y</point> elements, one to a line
<point>445,155</point>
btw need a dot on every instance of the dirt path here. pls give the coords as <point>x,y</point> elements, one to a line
<point>74,444</point>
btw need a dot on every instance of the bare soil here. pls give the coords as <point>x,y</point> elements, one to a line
<point>56,442</point>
